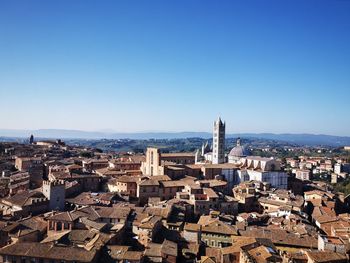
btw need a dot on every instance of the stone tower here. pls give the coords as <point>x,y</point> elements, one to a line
<point>31,139</point>
<point>218,142</point>
<point>56,193</point>
<point>152,164</point>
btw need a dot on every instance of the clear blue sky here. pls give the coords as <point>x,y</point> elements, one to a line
<point>264,65</point>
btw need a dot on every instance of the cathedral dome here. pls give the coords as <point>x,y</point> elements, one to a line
<point>239,150</point>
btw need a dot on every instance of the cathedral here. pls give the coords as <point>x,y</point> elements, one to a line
<point>238,166</point>
<point>203,155</point>
<point>216,154</point>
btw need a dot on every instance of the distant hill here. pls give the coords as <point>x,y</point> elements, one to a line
<point>302,139</point>
<point>77,134</point>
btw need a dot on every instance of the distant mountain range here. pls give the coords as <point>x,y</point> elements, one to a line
<point>303,139</point>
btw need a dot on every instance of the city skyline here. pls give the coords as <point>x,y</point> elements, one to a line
<point>176,66</point>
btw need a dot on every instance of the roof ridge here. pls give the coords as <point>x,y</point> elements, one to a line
<point>95,211</point>
<point>70,216</point>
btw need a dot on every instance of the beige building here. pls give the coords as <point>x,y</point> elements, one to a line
<point>204,199</point>
<point>147,228</point>
<point>302,174</point>
<point>152,165</point>
<point>13,183</point>
<point>147,188</point>
<point>156,162</point>
<point>34,166</point>
<point>192,232</point>
<point>124,185</point>
<point>281,202</point>
<point>217,234</point>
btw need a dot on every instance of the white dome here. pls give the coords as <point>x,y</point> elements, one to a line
<point>239,150</point>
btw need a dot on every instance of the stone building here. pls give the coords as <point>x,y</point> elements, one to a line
<point>126,163</point>
<point>147,228</point>
<point>94,164</point>
<point>216,233</point>
<point>146,189</point>
<point>178,158</point>
<point>152,165</point>
<point>264,170</point>
<point>204,199</point>
<point>124,185</point>
<point>55,192</point>
<point>156,163</point>
<point>34,166</point>
<point>226,171</point>
<point>302,174</point>
<point>330,243</point>
<point>247,193</point>
<point>24,204</point>
<point>192,232</point>
<point>166,252</point>
<point>87,181</point>
<point>13,183</point>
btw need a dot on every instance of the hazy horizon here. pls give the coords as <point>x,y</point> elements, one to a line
<point>158,66</point>
<point>111,132</point>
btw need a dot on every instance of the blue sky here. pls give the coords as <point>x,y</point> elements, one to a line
<point>264,65</point>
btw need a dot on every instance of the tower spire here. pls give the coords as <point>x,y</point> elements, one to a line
<point>218,142</point>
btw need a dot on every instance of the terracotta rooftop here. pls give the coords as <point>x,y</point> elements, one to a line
<point>24,198</point>
<point>173,155</point>
<point>326,256</point>
<point>219,227</point>
<point>48,251</point>
<point>192,227</point>
<point>64,216</point>
<point>149,182</point>
<point>281,237</point>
